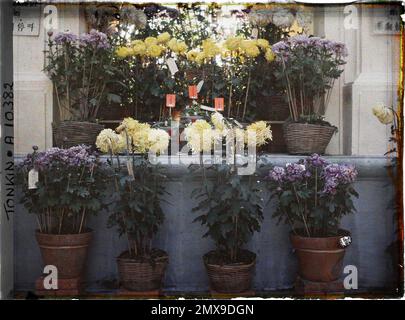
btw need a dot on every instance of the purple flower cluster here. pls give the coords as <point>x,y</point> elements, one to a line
<point>65,37</point>
<point>291,173</point>
<point>335,175</point>
<point>76,156</point>
<point>315,160</point>
<point>95,39</point>
<point>277,174</point>
<point>286,47</point>
<point>331,176</point>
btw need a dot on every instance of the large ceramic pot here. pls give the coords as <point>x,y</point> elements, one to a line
<point>72,133</point>
<point>67,252</point>
<point>304,138</point>
<point>142,274</point>
<point>320,259</point>
<point>230,278</point>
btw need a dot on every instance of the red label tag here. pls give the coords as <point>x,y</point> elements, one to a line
<point>192,92</point>
<point>170,100</point>
<point>219,104</point>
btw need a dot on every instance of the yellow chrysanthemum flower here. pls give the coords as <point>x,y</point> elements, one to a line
<point>154,51</point>
<point>181,48</point>
<point>263,44</point>
<point>138,134</point>
<point>233,43</point>
<point>123,52</point>
<point>137,42</point>
<point>163,37</point>
<point>150,41</point>
<point>259,131</point>
<point>200,58</point>
<point>191,55</point>
<point>269,55</point>
<point>176,46</point>
<point>139,49</point>
<point>249,48</point>
<point>210,48</point>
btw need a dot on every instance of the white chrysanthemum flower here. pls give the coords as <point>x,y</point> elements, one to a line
<point>138,133</point>
<point>384,114</point>
<point>199,136</point>
<point>260,18</point>
<point>258,131</point>
<point>109,141</point>
<point>217,120</point>
<point>283,18</point>
<point>159,140</point>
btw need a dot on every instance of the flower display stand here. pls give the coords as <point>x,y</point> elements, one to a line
<point>306,287</point>
<point>66,287</point>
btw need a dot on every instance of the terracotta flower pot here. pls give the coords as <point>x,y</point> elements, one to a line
<point>142,275</point>
<point>67,252</point>
<point>230,278</point>
<point>319,259</point>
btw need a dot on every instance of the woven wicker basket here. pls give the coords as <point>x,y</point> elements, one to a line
<point>304,138</point>
<point>141,276</point>
<point>72,133</point>
<point>233,278</point>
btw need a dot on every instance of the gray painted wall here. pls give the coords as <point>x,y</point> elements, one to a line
<point>373,230</point>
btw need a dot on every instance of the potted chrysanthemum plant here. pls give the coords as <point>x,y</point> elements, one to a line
<point>307,68</point>
<point>63,188</point>
<point>312,196</point>
<point>136,202</point>
<point>80,68</point>
<point>230,204</point>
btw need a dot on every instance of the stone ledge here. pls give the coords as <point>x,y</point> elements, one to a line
<point>367,166</point>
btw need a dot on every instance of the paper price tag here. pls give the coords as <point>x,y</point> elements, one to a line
<point>219,104</point>
<point>172,66</point>
<point>255,33</point>
<point>32,179</point>
<point>170,100</point>
<point>192,92</point>
<point>200,85</point>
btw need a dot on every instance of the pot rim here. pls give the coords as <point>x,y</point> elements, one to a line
<point>342,233</point>
<point>77,121</point>
<point>88,230</point>
<point>163,258</point>
<point>231,265</point>
<point>286,124</point>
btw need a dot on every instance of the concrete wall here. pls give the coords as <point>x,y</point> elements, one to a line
<point>373,230</point>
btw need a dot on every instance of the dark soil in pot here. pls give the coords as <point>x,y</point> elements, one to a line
<point>144,273</point>
<point>320,259</point>
<point>230,277</point>
<point>68,252</point>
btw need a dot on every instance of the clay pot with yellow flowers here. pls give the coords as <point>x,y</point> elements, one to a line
<point>136,209</point>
